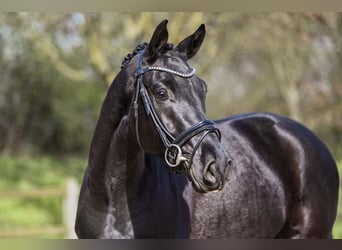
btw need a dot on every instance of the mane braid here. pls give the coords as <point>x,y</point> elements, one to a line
<point>138,49</point>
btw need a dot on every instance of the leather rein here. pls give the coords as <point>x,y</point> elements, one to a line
<point>173,153</point>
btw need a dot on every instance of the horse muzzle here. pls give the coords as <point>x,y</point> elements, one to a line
<point>213,176</point>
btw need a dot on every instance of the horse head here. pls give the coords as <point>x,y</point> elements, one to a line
<point>168,110</point>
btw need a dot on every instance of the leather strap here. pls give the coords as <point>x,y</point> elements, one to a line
<point>173,152</point>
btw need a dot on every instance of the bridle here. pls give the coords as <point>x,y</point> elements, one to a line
<point>173,153</point>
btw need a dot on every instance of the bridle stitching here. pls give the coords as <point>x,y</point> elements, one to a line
<point>169,141</point>
<point>174,72</point>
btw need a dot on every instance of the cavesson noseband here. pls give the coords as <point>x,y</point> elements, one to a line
<point>173,145</point>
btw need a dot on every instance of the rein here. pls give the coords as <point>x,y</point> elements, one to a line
<point>173,153</point>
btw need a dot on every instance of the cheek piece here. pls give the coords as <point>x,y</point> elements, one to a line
<point>173,152</point>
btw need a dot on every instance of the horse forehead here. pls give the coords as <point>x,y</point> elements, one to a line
<point>174,61</point>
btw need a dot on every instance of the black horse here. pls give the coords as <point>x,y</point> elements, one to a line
<point>274,178</point>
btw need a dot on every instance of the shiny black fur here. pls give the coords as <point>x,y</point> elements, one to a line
<point>283,183</point>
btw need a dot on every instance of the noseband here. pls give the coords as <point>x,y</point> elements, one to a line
<point>173,153</point>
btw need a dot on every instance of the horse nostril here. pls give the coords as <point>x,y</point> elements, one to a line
<point>210,175</point>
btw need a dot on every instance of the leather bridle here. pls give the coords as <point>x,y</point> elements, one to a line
<point>173,145</point>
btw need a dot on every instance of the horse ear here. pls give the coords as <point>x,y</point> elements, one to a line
<point>158,41</point>
<point>190,45</point>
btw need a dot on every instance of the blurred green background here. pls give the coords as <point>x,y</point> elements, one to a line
<point>55,69</point>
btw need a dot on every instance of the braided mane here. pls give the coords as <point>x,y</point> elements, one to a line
<point>138,49</point>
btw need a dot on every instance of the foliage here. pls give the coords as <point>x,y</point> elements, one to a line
<point>41,110</point>
<point>30,173</point>
<point>27,172</point>
<point>55,69</point>
<point>42,212</point>
<point>337,231</point>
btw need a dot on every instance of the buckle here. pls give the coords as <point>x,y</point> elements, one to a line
<point>173,155</point>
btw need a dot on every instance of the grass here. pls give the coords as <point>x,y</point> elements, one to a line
<point>27,172</point>
<point>337,230</point>
<point>32,173</point>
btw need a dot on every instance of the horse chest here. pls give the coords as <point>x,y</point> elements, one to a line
<point>243,209</point>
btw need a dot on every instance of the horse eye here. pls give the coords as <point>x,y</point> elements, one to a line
<point>161,94</point>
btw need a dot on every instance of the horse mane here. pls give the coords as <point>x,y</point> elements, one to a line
<point>108,121</point>
<point>138,49</point>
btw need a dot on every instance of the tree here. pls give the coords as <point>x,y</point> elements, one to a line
<point>287,63</point>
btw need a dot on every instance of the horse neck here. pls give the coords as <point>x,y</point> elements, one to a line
<point>111,140</point>
<point>124,158</point>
